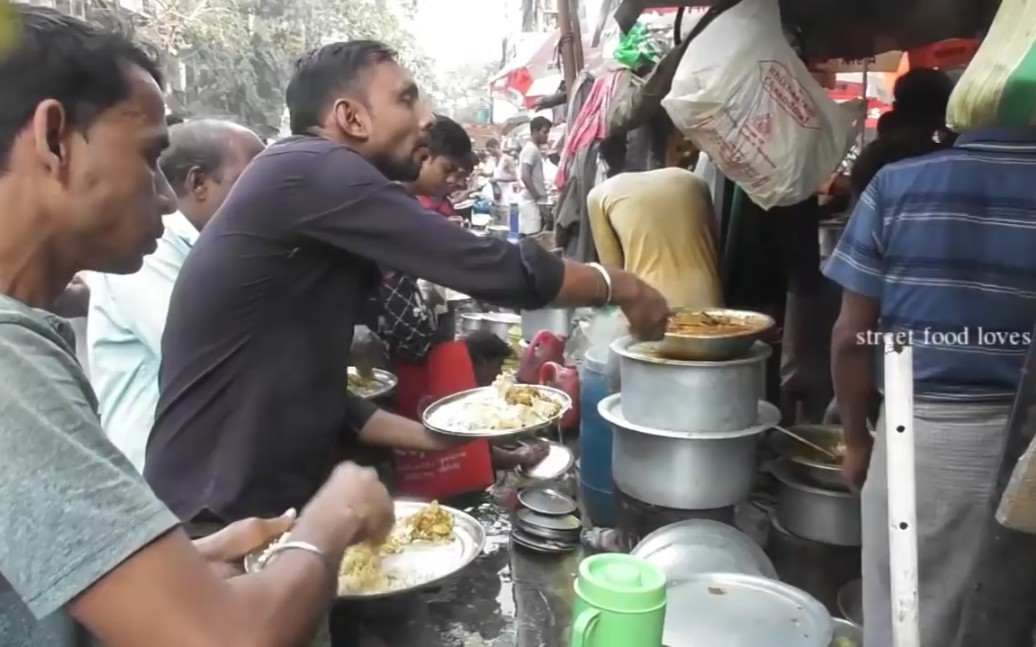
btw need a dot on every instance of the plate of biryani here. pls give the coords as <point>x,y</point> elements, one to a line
<point>429,543</point>
<point>373,385</point>
<point>504,409</point>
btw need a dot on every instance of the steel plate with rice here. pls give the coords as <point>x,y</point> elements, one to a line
<point>381,384</point>
<point>713,335</point>
<point>443,542</point>
<point>503,410</point>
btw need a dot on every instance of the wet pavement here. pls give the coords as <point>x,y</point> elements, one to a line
<point>508,597</point>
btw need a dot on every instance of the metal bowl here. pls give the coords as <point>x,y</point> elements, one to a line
<point>500,324</point>
<point>801,461</point>
<point>385,384</point>
<point>718,347</point>
<point>847,630</point>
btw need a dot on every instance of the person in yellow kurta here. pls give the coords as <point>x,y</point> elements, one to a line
<point>660,226</point>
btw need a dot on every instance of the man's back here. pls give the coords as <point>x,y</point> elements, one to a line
<point>945,242</point>
<point>660,226</point>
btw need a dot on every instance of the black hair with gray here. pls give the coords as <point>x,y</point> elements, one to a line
<point>198,144</point>
<point>56,56</point>
<point>324,71</point>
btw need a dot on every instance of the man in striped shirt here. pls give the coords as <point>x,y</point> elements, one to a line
<point>940,251</point>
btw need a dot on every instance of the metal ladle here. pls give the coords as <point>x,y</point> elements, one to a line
<point>808,443</point>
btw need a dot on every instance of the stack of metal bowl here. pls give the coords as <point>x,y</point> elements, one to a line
<point>546,522</point>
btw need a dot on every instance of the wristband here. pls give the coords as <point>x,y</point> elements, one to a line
<point>607,282</point>
<point>277,549</point>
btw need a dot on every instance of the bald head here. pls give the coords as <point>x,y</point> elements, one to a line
<point>203,160</point>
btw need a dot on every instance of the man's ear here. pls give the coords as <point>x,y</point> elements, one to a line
<point>196,183</point>
<point>352,118</point>
<point>50,131</point>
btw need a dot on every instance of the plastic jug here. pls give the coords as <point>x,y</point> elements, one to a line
<point>620,601</point>
<point>544,347</point>
<point>566,379</point>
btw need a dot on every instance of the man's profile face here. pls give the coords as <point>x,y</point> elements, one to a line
<point>541,136</point>
<point>399,121</point>
<point>440,176</point>
<point>103,193</point>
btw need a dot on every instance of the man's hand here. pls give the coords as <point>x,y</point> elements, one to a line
<point>227,548</point>
<point>644,306</point>
<point>353,506</point>
<point>856,462</point>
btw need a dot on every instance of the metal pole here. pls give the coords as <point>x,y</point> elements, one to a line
<point>902,492</point>
<point>577,36</point>
<point>567,52</point>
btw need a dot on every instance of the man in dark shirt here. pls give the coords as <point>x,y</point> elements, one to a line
<point>253,383</point>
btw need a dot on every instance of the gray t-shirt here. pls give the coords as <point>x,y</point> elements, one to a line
<point>531,156</point>
<point>73,507</point>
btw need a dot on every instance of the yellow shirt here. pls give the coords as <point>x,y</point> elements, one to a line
<point>660,226</point>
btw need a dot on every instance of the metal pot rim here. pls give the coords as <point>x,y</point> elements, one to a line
<point>610,409</point>
<point>778,441</point>
<point>781,472</point>
<point>502,317</point>
<point>760,352</point>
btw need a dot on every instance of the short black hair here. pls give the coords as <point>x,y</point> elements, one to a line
<point>193,144</point>
<point>921,95</point>
<point>492,142</point>
<point>325,70</point>
<point>174,118</point>
<point>447,138</point>
<point>484,346</point>
<point>56,56</point>
<point>539,123</point>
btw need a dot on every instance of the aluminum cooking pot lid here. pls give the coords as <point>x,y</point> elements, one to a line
<point>547,501</point>
<point>557,461</point>
<point>696,546</point>
<point>743,611</point>
<point>566,523</point>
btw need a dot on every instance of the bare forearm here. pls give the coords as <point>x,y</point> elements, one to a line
<point>584,286</point>
<point>529,185</point>
<point>386,429</point>
<point>852,368</point>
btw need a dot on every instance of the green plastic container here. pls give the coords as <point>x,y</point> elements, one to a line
<point>620,602</point>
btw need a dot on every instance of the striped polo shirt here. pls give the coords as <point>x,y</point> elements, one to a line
<point>947,244</point>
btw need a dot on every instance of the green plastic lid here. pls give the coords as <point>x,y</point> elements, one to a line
<point>624,583</point>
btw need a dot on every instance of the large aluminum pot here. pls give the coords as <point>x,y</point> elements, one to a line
<point>679,470</point>
<point>824,516</point>
<point>555,320</point>
<point>470,322</point>
<point>690,396</point>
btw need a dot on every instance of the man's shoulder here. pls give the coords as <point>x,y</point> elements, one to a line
<point>25,330</point>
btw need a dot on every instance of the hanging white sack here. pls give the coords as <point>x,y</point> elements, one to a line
<point>744,97</point>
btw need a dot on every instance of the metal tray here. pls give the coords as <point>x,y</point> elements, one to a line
<point>433,414</point>
<point>421,564</point>
<point>386,384</point>
<point>743,611</point>
<point>698,546</point>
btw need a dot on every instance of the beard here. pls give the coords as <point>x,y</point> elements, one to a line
<point>398,170</point>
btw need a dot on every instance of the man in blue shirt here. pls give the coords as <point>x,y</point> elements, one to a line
<point>127,312</point>
<point>938,251</point>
